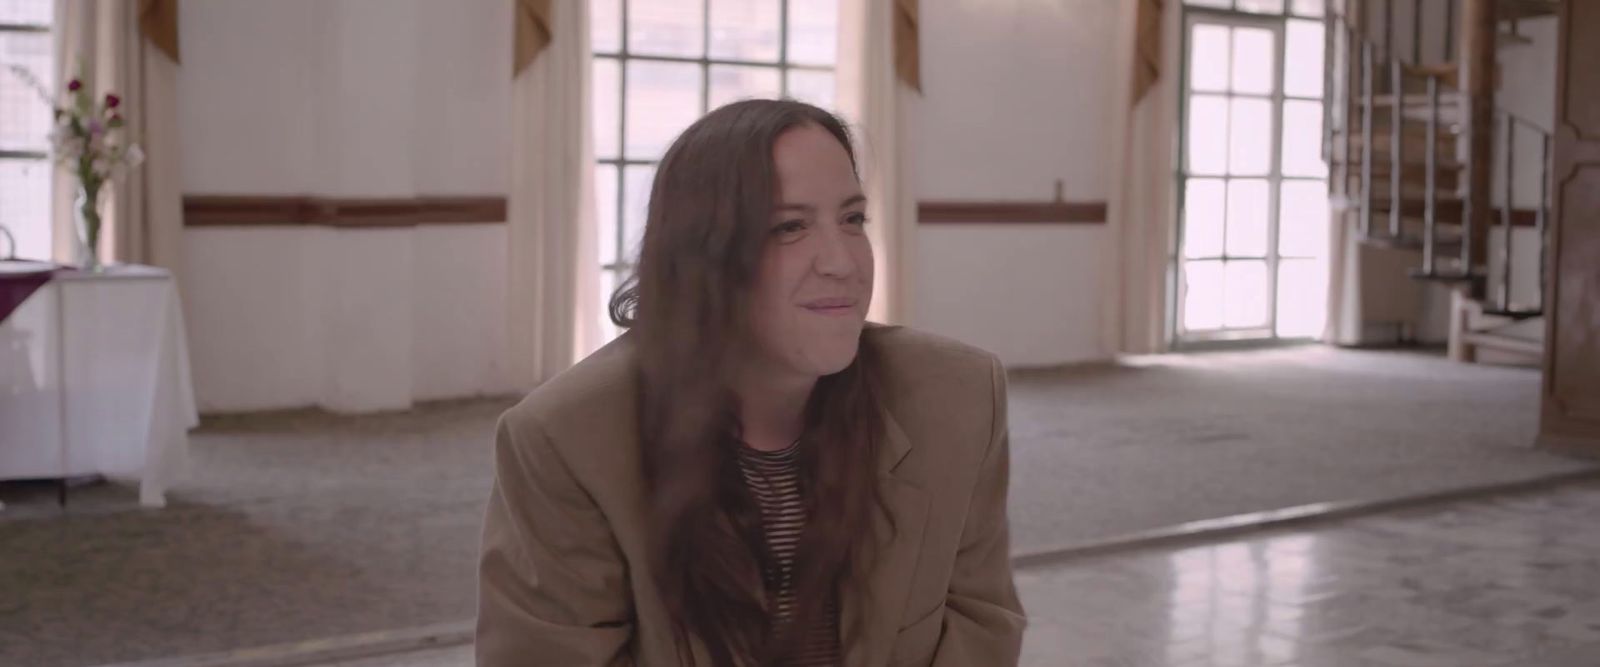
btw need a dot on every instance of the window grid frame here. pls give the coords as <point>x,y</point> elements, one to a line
<point>37,157</point>
<point>1180,335</point>
<point>623,56</point>
<point>33,29</point>
<point>1288,10</point>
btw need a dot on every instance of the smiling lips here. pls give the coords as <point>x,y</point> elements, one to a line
<point>834,306</point>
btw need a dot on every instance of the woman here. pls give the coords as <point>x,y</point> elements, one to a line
<point>751,475</point>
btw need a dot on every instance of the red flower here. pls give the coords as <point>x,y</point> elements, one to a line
<point>74,85</point>
<point>112,101</point>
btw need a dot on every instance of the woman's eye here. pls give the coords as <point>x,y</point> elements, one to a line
<point>788,228</point>
<point>857,219</point>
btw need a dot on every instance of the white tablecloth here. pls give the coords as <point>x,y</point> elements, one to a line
<point>94,379</point>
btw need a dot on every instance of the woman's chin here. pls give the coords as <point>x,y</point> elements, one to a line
<point>833,359</point>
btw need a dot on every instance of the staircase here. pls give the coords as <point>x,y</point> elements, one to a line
<point>1399,139</point>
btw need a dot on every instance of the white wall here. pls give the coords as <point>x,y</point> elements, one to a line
<point>1528,90</point>
<point>1015,96</point>
<point>332,98</point>
<point>1011,289</point>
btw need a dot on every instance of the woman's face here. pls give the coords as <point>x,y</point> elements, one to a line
<point>814,284</point>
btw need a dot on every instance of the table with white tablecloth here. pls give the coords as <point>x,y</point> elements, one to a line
<point>94,380</point>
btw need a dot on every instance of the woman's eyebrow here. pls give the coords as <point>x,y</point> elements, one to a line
<point>852,199</point>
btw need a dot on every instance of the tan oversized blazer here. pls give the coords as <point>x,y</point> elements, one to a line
<point>564,575</point>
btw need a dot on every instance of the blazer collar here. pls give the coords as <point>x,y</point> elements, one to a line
<point>876,604</point>
<point>895,444</point>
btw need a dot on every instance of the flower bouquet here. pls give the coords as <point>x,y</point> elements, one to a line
<point>89,140</point>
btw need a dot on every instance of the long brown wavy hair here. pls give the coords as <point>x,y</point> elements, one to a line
<point>687,307</point>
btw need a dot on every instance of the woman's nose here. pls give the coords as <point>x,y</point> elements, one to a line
<point>833,254</point>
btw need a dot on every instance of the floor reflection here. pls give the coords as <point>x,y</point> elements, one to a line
<point>1506,581</point>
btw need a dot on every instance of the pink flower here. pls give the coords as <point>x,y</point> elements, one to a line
<point>74,85</point>
<point>112,101</point>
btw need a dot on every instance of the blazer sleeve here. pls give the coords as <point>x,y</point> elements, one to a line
<point>983,618</point>
<point>552,582</point>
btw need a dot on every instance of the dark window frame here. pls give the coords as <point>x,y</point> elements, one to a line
<point>25,28</point>
<point>621,263</point>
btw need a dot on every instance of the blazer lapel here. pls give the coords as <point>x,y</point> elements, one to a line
<point>888,560</point>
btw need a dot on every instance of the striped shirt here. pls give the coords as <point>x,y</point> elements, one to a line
<point>774,480</point>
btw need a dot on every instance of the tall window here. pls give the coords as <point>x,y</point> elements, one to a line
<point>661,64</point>
<point>25,125</point>
<point>1254,223</point>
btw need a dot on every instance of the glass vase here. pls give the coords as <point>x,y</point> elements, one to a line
<point>86,218</point>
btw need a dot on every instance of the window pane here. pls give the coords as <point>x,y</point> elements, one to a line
<point>25,205</point>
<point>605,25</point>
<point>1208,134</point>
<point>1247,218</point>
<point>1308,7</point>
<point>1303,219</point>
<point>1261,6</point>
<point>1302,59</point>
<point>812,86</point>
<point>1202,295</point>
<point>663,99</point>
<point>1302,297</point>
<point>26,116</point>
<point>745,30</point>
<point>605,199</point>
<point>1302,139</point>
<point>1203,210</point>
<point>1254,53</point>
<point>731,82</point>
<point>636,182</point>
<point>813,31</point>
<point>607,87</point>
<point>1250,137</point>
<point>667,28</point>
<point>27,12</point>
<point>1245,291</point>
<point>1208,58</point>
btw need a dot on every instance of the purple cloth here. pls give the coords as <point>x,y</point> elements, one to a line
<point>15,288</point>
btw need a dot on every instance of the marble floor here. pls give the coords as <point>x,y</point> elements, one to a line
<point>299,526</point>
<point>1511,581</point>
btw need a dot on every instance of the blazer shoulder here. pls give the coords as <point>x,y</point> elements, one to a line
<point>910,355</point>
<point>587,405</point>
<point>934,385</point>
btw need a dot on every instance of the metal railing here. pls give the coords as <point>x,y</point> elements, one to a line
<point>1354,89</point>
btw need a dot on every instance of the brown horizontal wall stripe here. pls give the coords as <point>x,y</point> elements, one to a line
<point>231,210</point>
<point>947,212</point>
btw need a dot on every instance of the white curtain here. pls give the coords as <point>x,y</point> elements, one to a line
<point>871,95</point>
<point>1344,289</point>
<point>1142,218</point>
<point>75,45</point>
<point>553,305</point>
<point>144,208</point>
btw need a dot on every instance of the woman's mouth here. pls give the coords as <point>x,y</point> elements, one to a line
<point>834,306</point>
